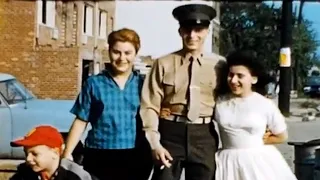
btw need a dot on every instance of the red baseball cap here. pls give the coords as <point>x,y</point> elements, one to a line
<point>41,135</point>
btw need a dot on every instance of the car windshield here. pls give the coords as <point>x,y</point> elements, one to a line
<point>13,91</point>
<point>313,81</point>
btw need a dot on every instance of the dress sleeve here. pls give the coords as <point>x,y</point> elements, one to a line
<point>276,121</point>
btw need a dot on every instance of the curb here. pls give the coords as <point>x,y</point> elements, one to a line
<point>9,165</point>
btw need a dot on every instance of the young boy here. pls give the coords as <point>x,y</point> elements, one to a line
<point>43,147</point>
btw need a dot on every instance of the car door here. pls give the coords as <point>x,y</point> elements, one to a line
<point>25,118</point>
<point>5,129</point>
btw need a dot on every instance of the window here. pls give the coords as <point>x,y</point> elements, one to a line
<point>103,24</point>
<point>46,12</point>
<point>14,92</point>
<point>88,20</point>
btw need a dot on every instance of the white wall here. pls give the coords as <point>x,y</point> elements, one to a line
<point>154,23</point>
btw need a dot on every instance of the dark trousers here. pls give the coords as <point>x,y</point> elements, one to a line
<point>192,146</point>
<point>127,164</point>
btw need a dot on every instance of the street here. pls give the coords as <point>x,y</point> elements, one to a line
<point>299,131</point>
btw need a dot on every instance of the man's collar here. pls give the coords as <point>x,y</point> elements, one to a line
<point>188,55</point>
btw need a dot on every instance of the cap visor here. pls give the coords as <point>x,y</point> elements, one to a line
<point>23,143</point>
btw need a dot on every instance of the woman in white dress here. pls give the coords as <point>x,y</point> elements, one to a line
<point>243,116</point>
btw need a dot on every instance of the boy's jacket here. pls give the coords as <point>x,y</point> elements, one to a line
<point>68,170</point>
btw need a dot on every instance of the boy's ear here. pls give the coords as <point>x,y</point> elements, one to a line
<point>58,151</point>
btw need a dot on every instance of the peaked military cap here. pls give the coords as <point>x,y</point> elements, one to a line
<point>194,14</point>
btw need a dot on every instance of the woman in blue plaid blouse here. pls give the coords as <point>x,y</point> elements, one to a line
<point>115,148</point>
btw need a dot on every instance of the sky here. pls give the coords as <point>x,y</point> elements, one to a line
<point>160,35</point>
<point>311,11</point>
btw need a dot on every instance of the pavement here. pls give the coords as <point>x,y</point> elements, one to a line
<point>299,132</point>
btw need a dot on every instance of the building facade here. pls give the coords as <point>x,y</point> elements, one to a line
<point>52,46</point>
<point>216,29</point>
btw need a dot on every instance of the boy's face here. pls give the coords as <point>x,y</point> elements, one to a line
<point>40,158</point>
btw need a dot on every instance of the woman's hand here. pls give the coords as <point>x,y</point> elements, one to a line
<point>270,138</point>
<point>266,135</point>
<point>68,156</point>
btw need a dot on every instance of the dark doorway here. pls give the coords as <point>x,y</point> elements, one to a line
<point>87,69</point>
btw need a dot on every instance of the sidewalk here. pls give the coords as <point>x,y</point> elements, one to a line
<point>297,112</point>
<point>7,168</point>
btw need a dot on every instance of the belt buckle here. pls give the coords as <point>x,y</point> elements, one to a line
<point>203,120</point>
<point>181,119</point>
<point>185,120</point>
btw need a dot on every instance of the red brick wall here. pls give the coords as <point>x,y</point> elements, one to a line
<point>57,74</point>
<point>47,72</point>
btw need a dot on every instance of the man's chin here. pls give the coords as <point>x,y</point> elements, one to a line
<point>192,48</point>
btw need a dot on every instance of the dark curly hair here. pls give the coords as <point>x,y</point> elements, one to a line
<point>248,59</point>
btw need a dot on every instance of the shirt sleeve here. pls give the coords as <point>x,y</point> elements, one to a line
<point>276,121</point>
<point>82,105</point>
<point>151,99</point>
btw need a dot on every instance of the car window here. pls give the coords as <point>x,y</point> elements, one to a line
<point>13,91</point>
<point>313,81</point>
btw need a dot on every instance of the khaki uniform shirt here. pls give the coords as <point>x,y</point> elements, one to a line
<point>165,90</point>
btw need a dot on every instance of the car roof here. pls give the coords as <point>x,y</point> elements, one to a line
<point>4,77</point>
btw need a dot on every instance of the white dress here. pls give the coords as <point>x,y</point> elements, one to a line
<point>242,123</point>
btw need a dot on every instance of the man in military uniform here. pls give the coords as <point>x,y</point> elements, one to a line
<point>178,98</point>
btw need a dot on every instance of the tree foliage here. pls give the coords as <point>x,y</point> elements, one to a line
<point>256,26</point>
<point>315,73</point>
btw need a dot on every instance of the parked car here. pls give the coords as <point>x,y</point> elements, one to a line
<point>20,111</point>
<point>312,86</point>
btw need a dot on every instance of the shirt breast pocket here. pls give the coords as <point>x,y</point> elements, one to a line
<point>207,87</point>
<point>168,84</point>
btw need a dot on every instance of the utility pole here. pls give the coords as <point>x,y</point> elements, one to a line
<point>285,58</point>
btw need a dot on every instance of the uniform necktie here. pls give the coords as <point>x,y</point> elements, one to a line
<point>194,91</point>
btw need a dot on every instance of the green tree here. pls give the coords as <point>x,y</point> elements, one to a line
<point>256,26</point>
<point>304,50</point>
<point>315,73</point>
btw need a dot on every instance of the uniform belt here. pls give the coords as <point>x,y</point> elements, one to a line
<point>184,119</point>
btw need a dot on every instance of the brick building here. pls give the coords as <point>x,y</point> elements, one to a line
<point>51,46</point>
